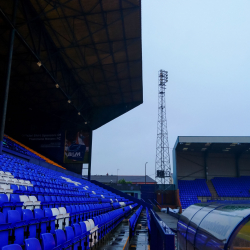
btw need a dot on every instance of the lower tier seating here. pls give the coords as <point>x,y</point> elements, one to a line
<point>44,209</point>
<point>232,187</point>
<point>190,190</point>
<point>79,235</point>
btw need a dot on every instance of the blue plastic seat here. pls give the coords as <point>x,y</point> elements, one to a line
<point>17,204</point>
<point>5,205</point>
<point>61,239</point>
<point>17,226</point>
<point>44,204</point>
<point>82,236</point>
<point>15,189</point>
<point>48,241</point>
<point>12,247</point>
<point>48,200</point>
<point>32,244</point>
<point>23,190</point>
<point>51,220</point>
<point>32,223</point>
<point>4,231</point>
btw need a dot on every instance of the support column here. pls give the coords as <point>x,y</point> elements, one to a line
<point>5,93</point>
<point>90,154</point>
<point>237,157</point>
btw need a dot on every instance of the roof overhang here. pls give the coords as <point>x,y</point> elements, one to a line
<point>76,61</point>
<point>215,144</point>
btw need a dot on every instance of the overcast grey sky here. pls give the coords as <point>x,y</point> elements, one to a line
<point>205,47</point>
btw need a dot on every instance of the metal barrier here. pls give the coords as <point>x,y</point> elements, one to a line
<point>161,235</point>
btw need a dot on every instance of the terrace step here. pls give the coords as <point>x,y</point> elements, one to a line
<point>212,190</point>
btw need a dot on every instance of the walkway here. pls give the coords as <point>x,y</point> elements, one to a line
<point>169,220</point>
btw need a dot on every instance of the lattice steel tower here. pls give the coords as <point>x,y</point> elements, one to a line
<point>162,161</point>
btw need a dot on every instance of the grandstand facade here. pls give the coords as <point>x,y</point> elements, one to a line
<point>212,168</point>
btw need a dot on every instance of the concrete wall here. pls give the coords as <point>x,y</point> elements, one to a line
<point>221,165</point>
<point>190,165</point>
<point>244,165</point>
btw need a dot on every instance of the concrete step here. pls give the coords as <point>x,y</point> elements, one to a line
<point>212,189</point>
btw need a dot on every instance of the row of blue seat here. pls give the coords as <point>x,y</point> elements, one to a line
<point>16,226</point>
<point>75,236</point>
<point>133,220</point>
<point>148,222</point>
<point>44,176</point>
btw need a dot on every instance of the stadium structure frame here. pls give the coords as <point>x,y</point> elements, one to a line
<point>70,63</point>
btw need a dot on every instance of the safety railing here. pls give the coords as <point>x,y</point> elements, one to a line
<point>161,235</point>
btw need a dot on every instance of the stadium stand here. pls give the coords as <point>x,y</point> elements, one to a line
<point>37,203</point>
<point>225,187</point>
<point>232,187</point>
<point>190,190</point>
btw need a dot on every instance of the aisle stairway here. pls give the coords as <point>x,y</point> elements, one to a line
<point>212,190</point>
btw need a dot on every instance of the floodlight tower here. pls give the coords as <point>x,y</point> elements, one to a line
<point>162,161</point>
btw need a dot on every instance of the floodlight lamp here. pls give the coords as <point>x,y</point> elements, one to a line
<point>69,101</point>
<point>39,64</point>
<point>79,113</point>
<point>57,86</point>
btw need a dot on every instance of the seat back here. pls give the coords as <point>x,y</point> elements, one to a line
<point>48,241</point>
<point>55,211</point>
<point>12,247</point>
<point>77,229</point>
<point>22,188</point>
<point>51,223</point>
<point>24,198</point>
<point>14,217</point>
<point>60,237</point>
<point>69,233</point>
<point>32,244</point>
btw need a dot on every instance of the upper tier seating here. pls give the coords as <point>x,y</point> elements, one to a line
<point>8,143</point>
<point>15,145</point>
<point>232,187</point>
<point>190,190</point>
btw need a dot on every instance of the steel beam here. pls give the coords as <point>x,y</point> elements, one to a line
<point>90,154</point>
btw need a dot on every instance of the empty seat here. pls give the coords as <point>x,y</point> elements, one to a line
<point>4,231</point>
<point>17,204</point>
<point>5,188</point>
<point>36,203</point>
<point>32,223</point>
<point>51,220</point>
<point>12,247</point>
<point>43,221</point>
<point>32,244</point>
<point>17,226</point>
<point>61,239</point>
<point>5,205</point>
<point>70,237</point>
<point>27,204</point>
<point>43,203</point>
<point>64,217</point>
<point>48,241</point>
